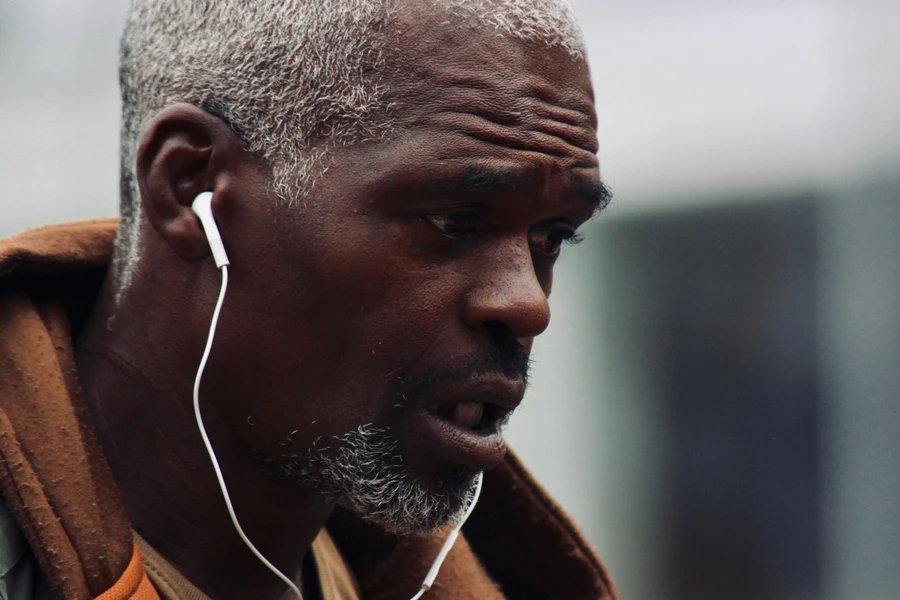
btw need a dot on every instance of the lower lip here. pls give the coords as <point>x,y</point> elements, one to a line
<point>483,449</point>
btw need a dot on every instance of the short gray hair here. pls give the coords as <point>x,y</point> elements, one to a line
<point>290,77</point>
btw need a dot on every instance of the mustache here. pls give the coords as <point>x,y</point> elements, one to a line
<point>503,355</point>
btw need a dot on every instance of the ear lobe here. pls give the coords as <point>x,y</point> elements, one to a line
<point>182,153</point>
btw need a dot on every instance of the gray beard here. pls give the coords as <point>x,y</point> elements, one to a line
<point>364,472</point>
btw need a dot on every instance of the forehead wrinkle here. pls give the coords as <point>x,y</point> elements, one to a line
<point>521,111</point>
<point>577,117</point>
<point>524,106</point>
<point>543,137</point>
<point>570,102</point>
<point>515,95</point>
<point>571,134</point>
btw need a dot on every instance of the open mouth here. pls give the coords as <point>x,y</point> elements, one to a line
<point>474,416</point>
<point>463,426</point>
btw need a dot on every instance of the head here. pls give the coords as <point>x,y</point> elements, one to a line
<point>393,180</point>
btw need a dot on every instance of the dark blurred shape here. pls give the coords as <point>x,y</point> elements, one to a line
<point>732,328</point>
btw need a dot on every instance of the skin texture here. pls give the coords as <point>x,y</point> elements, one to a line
<point>337,303</point>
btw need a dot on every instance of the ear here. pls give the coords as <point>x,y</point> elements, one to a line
<point>183,152</point>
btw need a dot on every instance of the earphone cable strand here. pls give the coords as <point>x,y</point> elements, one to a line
<point>208,444</point>
<point>445,549</point>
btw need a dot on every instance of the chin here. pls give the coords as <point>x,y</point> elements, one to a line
<point>409,507</point>
<point>364,472</point>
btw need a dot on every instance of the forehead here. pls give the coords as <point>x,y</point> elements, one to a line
<point>466,98</point>
<point>489,95</point>
<point>431,54</point>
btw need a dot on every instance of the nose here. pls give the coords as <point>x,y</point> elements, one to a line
<point>508,292</point>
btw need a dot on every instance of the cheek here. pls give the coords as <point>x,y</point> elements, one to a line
<point>316,347</point>
<point>366,300</point>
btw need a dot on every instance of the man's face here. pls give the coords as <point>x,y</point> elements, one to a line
<point>380,328</point>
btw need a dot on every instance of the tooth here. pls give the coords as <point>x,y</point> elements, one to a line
<point>467,414</point>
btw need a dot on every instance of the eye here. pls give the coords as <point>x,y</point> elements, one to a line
<point>549,241</point>
<point>454,225</point>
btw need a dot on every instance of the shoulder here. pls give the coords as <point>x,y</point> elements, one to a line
<point>20,576</point>
<point>64,246</point>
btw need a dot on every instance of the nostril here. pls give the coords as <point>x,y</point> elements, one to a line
<point>504,353</point>
<point>498,330</point>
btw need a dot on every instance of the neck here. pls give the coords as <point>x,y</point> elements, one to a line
<point>138,389</point>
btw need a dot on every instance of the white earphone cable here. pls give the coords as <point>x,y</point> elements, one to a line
<point>209,448</point>
<point>448,543</point>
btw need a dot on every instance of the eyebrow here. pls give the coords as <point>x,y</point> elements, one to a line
<point>486,180</point>
<point>595,193</point>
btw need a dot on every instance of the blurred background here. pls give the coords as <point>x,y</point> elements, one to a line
<point>717,402</point>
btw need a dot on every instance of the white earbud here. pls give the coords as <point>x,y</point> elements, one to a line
<point>202,207</point>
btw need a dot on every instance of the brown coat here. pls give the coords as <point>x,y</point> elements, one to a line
<point>57,484</point>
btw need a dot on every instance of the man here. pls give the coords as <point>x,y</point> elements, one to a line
<point>393,181</point>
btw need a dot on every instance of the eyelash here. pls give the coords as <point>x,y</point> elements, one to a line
<point>574,239</point>
<point>474,221</point>
<point>565,237</point>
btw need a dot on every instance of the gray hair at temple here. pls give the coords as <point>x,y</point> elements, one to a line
<point>292,78</point>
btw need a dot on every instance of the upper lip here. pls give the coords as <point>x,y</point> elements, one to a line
<point>502,392</point>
